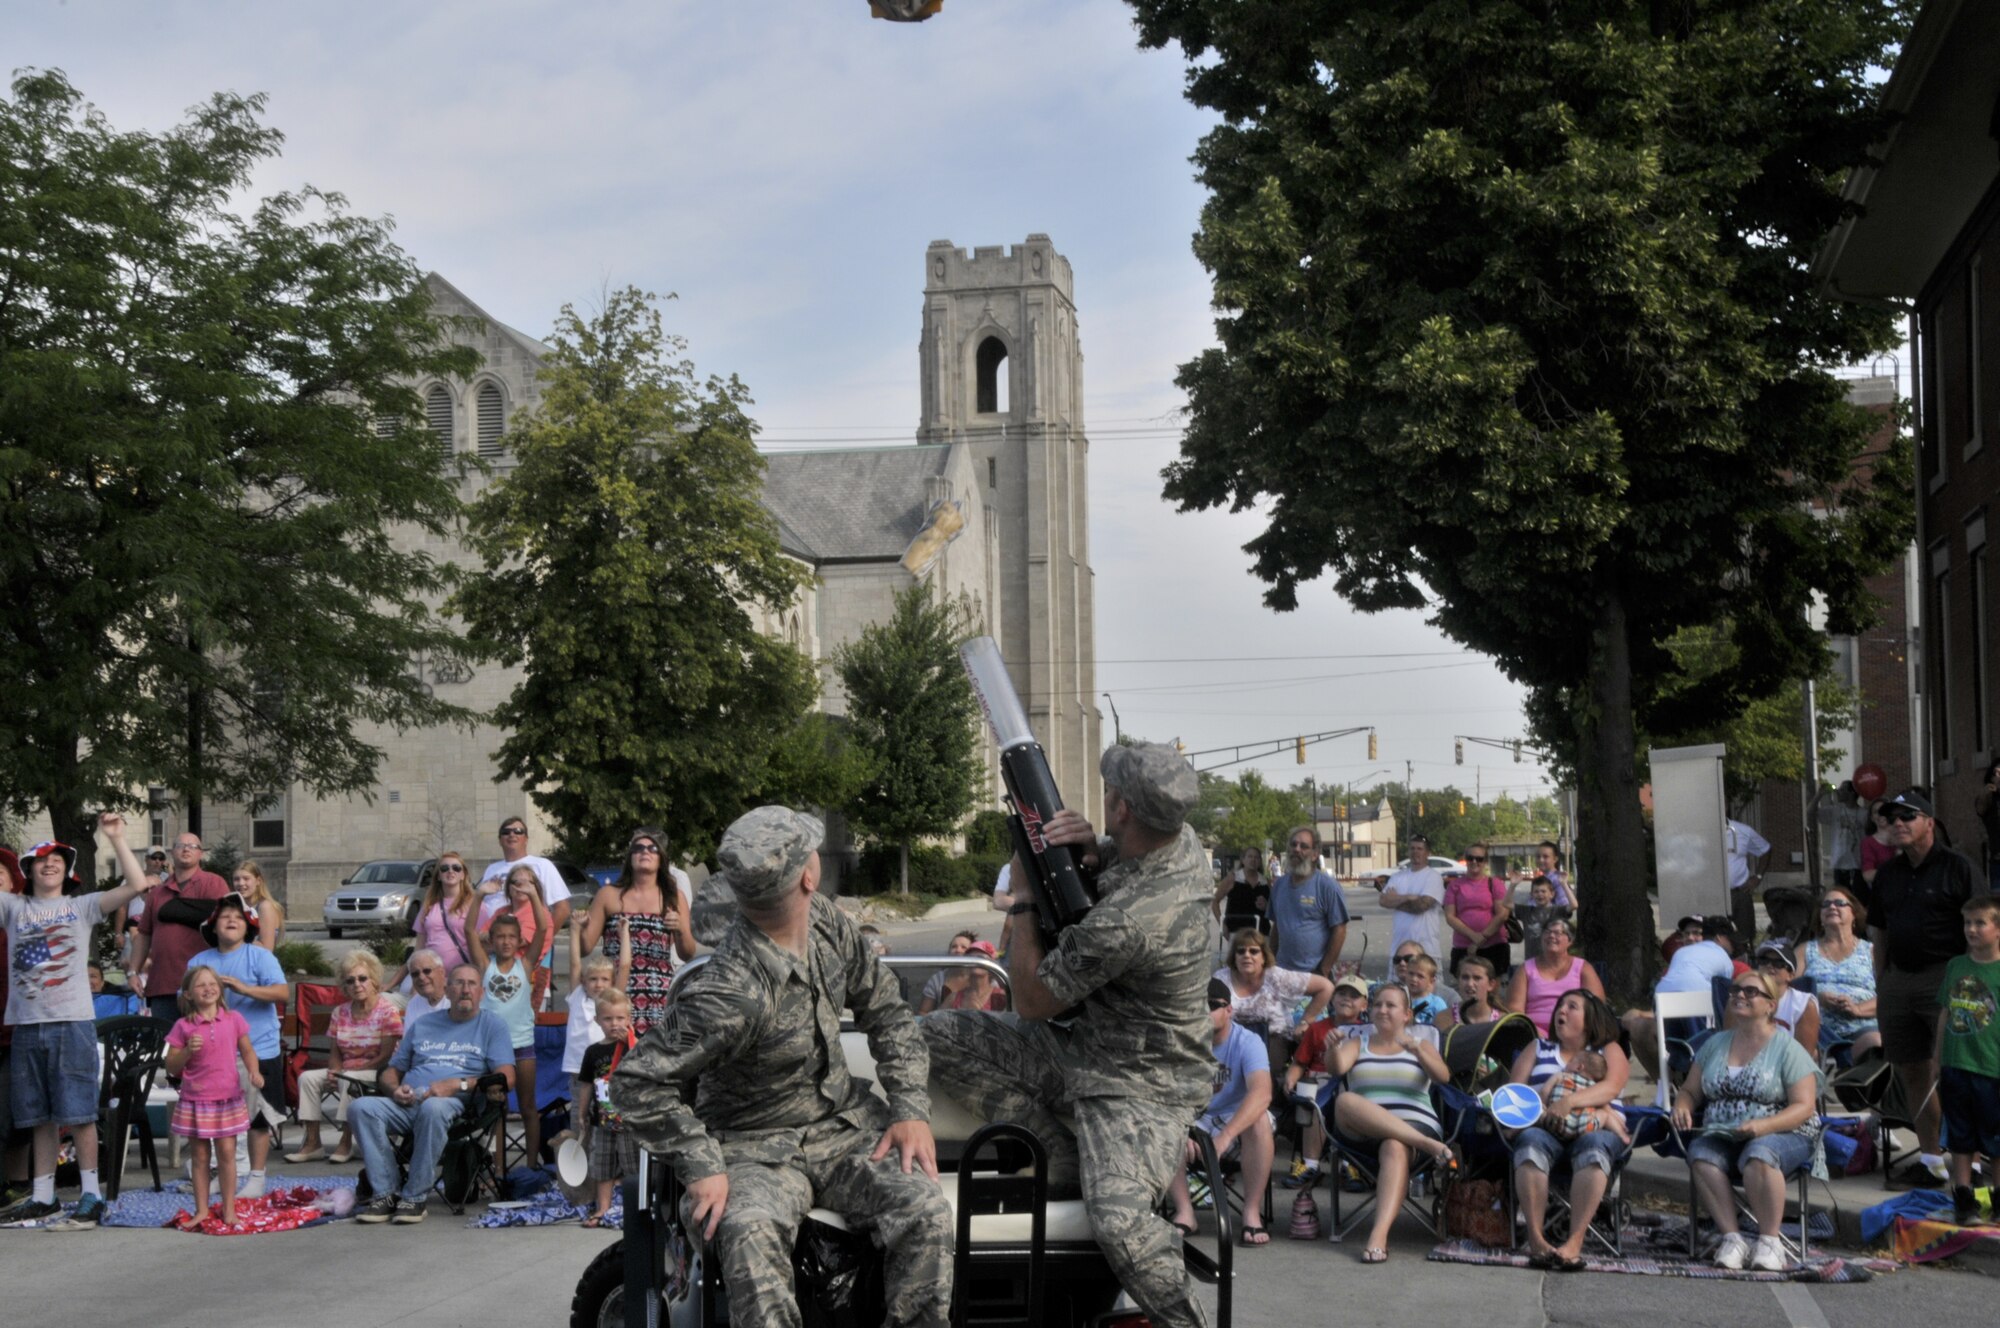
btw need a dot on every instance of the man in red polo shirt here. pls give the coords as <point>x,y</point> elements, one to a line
<point>170,929</point>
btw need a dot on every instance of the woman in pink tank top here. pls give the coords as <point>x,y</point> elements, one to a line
<point>1541,982</point>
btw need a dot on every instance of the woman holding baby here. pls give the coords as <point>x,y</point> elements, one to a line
<point>1579,1071</point>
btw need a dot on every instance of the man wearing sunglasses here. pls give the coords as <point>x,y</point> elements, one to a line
<point>513,853</point>
<point>1915,922</point>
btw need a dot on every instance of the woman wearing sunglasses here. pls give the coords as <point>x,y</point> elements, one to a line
<point>447,908</point>
<point>365,1032</point>
<point>1272,1002</point>
<point>1755,1091</point>
<point>652,897</point>
<point>1841,962</point>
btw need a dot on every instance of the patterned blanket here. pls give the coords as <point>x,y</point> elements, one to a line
<point>288,1204</point>
<point>547,1209</point>
<point>1656,1246</point>
<point>1917,1226</point>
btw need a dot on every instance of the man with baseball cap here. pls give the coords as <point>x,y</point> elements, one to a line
<point>1914,921</point>
<point>778,1125</point>
<point>1111,1095</point>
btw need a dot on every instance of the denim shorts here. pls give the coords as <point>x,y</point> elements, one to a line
<point>1971,1110</point>
<point>1785,1153</point>
<point>1536,1147</point>
<point>54,1074</point>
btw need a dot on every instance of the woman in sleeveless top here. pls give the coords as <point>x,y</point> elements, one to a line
<point>652,897</point>
<point>1842,967</point>
<point>1386,1076</point>
<point>1542,981</point>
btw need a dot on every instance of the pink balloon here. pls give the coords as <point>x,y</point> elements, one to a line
<point>1871,781</point>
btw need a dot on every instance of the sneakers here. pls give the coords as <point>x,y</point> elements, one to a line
<point>1964,1205</point>
<point>89,1211</point>
<point>1916,1175</point>
<point>409,1214</point>
<point>27,1211</point>
<point>1733,1252</point>
<point>1301,1174</point>
<point>1769,1256</point>
<point>383,1207</point>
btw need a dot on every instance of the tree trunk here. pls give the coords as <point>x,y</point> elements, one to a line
<point>903,863</point>
<point>70,822</point>
<point>1615,914</point>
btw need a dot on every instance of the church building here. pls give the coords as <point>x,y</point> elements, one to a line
<point>999,441</point>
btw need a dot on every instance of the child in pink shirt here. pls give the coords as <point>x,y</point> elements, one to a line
<point>203,1049</point>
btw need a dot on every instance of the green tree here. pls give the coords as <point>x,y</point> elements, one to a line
<point>916,716</point>
<point>207,579</point>
<point>622,557</point>
<point>1517,324</point>
<point>1260,814</point>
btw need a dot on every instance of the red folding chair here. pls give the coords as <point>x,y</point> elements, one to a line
<point>306,1024</point>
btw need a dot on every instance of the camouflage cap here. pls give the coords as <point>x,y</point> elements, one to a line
<point>1155,781</point>
<point>764,849</point>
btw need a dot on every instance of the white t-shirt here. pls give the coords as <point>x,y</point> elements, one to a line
<point>420,1006</point>
<point>583,1030</point>
<point>554,891</point>
<point>1427,928</point>
<point>1694,967</point>
<point>1744,844</point>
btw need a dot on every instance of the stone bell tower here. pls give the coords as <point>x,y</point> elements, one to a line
<point>1002,376</point>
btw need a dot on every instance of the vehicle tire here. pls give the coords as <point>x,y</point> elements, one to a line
<point>333,933</point>
<point>600,1293</point>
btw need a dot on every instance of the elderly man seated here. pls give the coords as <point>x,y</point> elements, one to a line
<point>428,1082</point>
<point>426,972</point>
<point>1237,1118</point>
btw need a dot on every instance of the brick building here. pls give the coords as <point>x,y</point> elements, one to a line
<point>1927,241</point>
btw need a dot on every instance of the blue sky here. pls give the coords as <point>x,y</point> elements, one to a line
<point>781,167</point>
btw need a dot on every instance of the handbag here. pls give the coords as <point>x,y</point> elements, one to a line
<point>1473,1211</point>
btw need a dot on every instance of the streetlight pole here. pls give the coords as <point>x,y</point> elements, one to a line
<point>1117,729</point>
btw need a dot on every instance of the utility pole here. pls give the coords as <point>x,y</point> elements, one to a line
<point>1117,729</point>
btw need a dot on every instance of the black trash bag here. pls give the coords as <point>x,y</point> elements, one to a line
<point>838,1277</point>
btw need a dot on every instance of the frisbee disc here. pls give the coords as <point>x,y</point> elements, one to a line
<point>572,1162</point>
<point>1516,1106</point>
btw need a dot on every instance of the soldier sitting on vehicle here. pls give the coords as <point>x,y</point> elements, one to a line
<point>778,1124</point>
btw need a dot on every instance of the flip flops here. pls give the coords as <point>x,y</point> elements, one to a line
<point>1374,1254</point>
<point>1255,1238</point>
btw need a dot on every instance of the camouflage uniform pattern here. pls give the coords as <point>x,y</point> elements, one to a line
<point>756,1034</point>
<point>1112,1095</point>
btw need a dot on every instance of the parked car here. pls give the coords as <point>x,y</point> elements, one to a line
<point>384,893</point>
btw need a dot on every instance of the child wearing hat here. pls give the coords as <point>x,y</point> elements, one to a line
<point>53,1083</point>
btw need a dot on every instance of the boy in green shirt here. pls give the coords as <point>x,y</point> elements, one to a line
<point>1968,1051</point>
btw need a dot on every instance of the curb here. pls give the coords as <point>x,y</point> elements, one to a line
<point>958,908</point>
<point>1664,1180</point>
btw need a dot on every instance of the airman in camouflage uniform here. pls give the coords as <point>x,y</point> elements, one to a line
<point>777,1124</point>
<point>1113,1093</point>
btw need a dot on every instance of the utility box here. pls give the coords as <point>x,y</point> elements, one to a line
<point>1690,831</point>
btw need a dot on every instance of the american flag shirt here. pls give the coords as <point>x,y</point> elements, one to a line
<point>48,946</point>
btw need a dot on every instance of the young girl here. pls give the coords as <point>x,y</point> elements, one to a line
<point>510,987</point>
<point>521,886</point>
<point>267,915</point>
<point>1476,980</point>
<point>203,1049</point>
<point>447,912</point>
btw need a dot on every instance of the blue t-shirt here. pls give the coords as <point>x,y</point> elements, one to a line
<point>260,968</point>
<point>1306,913</point>
<point>438,1047</point>
<point>113,1002</point>
<point>1241,1053</point>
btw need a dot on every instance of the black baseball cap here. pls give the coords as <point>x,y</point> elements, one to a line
<point>1220,997</point>
<point>1915,801</point>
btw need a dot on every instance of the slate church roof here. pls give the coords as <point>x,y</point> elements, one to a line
<point>837,506</point>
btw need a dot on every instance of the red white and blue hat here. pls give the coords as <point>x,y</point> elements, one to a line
<point>47,848</point>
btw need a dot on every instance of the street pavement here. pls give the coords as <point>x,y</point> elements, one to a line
<point>445,1273</point>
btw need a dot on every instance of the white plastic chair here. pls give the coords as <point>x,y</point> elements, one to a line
<point>1676,1005</point>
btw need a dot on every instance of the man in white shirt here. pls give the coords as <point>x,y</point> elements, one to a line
<point>1416,895</point>
<point>426,978</point>
<point>514,853</point>
<point>1746,873</point>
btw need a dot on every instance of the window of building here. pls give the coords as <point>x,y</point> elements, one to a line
<point>992,473</point>
<point>1940,644</point>
<point>1975,411</point>
<point>1976,662</point>
<point>156,819</point>
<point>437,415</point>
<point>267,822</point>
<point>385,426</point>
<point>492,419</point>
<point>991,363</point>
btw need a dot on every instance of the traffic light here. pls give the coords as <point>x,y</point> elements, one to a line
<point>1461,806</point>
<point>1458,750</point>
<point>1517,751</point>
<point>1371,748</point>
<point>1420,808</point>
<point>1301,750</point>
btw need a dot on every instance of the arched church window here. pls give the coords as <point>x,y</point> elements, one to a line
<point>492,419</point>
<point>991,366</point>
<point>437,414</point>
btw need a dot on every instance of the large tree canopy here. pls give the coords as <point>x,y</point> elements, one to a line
<point>1516,327</point>
<point>623,554</point>
<point>198,587</point>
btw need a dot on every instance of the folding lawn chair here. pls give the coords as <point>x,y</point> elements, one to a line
<point>133,1047</point>
<point>1423,1199</point>
<point>307,1026</point>
<point>1671,1011</point>
<point>1798,1179</point>
<point>465,1165</point>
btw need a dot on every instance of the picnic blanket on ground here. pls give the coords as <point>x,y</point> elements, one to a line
<point>1917,1226</point>
<point>1656,1246</point>
<point>547,1209</point>
<point>288,1204</point>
